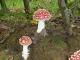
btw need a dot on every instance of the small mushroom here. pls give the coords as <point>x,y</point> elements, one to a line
<point>75,56</point>
<point>41,16</point>
<point>25,41</point>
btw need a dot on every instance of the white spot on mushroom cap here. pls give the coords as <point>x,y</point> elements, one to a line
<point>46,16</point>
<point>37,17</point>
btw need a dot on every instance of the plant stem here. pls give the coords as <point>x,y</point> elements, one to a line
<point>41,25</point>
<point>25,52</point>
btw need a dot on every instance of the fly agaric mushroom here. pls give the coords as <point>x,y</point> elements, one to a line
<point>75,56</point>
<point>25,41</point>
<point>41,16</point>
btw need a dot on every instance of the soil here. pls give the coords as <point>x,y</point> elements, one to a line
<point>54,46</point>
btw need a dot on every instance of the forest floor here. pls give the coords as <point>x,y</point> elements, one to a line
<point>55,46</point>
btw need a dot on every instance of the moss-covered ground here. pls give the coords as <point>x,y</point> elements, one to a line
<point>54,46</point>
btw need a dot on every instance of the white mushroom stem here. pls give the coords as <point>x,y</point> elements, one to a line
<point>41,25</point>
<point>25,53</point>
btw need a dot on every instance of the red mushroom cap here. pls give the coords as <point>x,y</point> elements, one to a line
<point>76,56</point>
<point>25,40</point>
<point>41,14</point>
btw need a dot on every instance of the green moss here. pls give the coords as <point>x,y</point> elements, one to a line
<point>59,43</point>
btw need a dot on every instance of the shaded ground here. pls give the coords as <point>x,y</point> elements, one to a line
<point>54,46</point>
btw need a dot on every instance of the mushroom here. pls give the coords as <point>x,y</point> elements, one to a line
<point>75,56</point>
<point>41,16</point>
<point>25,41</point>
